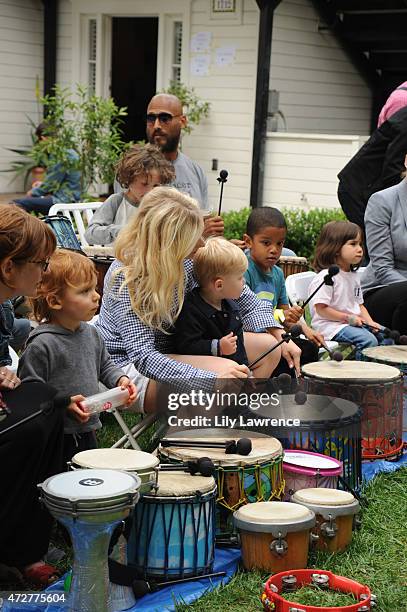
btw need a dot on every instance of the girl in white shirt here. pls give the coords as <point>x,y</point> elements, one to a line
<point>338,311</point>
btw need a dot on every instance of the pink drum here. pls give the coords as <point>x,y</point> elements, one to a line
<point>304,470</point>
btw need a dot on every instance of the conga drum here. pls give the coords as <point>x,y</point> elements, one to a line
<point>90,504</point>
<point>395,356</point>
<point>173,532</point>
<point>274,536</point>
<point>305,469</point>
<point>127,460</point>
<point>334,512</point>
<point>292,265</point>
<point>376,388</point>
<point>240,479</point>
<point>328,425</point>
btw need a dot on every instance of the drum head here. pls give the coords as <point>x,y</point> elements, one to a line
<point>115,459</point>
<point>177,484</point>
<point>269,516</point>
<point>91,484</point>
<point>323,497</point>
<point>305,461</point>
<point>215,432</point>
<point>263,450</point>
<point>350,370</point>
<point>396,354</point>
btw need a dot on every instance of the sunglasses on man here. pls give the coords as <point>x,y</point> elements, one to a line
<point>163,118</point>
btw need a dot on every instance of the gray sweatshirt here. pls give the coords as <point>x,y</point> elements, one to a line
<point>109,219</point>
<point>72,362</point>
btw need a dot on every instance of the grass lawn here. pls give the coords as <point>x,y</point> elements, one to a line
<point>377,556</point>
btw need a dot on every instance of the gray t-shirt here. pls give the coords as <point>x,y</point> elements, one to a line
<point>109,219</point>
<point>72,362</point>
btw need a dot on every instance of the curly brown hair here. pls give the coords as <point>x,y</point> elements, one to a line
<point>331,239</point>
<point>142,160</point>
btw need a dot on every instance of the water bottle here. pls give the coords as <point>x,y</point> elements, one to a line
<point>105,400</point>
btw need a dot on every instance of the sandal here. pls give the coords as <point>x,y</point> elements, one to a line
<point>41,575</point>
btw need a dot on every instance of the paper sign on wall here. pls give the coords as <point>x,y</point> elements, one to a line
<point>224,56</point>
<point>200,65</point>
<point>201,42</point>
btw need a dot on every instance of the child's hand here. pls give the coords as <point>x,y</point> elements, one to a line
<point>125,383</point>
<point>239,243</point>
<point>75,411</point>
<point>354,320</point>
<point>313,335</point>
<point>292,315</point>
<point>228,344</point>
<point>377,326</point>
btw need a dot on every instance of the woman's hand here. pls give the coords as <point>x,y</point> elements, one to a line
<point>8,380</point>
<point>313,336</point>
<point>125,383</point>
<point>75,411</point>
<point>291,353</point>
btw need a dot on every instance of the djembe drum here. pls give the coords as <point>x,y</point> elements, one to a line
<point>376,388</point>
<point>395,356</point>
<point>292,265</point>
<point>90,504</point>
<point>240,479</point>
<point>328,425</point>
<point>173,533</point>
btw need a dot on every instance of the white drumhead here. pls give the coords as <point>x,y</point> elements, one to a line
<point>179,484</point>
<point>91,484</point>
<point>395,354</point>
<point>323,497</point>
<point>263,450</point>
<point>115,459</point>
<point>350,370</point>
<point>308,460</point>
<point>273,513</point>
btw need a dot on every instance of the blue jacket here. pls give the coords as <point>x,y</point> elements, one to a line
<point>64,185</point>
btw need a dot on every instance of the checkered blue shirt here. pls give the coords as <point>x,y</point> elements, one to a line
<point>129,340</point>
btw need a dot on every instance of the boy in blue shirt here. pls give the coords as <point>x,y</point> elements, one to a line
<point>266,232</point>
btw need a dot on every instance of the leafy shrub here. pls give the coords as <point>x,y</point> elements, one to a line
<point>303,226</point>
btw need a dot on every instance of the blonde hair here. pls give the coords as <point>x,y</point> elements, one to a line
<point>152,248</point>
<point>66,269</point>
<point>216,258</point>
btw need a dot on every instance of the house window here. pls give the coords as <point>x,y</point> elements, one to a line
<point>177,52</point>
<point>92,31</point>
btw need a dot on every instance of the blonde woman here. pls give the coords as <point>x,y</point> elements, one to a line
<point>144,294</point>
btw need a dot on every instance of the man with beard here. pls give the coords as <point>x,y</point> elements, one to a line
<point>165,120</point>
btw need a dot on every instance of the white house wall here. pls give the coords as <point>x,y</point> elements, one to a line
<point>21,64</point>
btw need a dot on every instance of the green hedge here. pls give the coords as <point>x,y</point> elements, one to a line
<point>304,226</point>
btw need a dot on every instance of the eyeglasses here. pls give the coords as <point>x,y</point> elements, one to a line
<point>162,117</point>
<point>44,264</point>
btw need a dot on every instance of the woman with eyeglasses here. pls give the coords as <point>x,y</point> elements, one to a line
<point>31,451</point>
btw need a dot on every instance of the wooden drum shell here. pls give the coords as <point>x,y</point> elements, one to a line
<point>256,552</point>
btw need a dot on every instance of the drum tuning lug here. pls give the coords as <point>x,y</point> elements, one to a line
<point>357,522</point>
<point>289,583</point>
<point>279,547</point>
<point>320,580</point>
<point>329,529</point>
<point>313,538</point>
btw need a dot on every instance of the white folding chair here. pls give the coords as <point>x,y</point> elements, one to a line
<point>79,214</point>
<point>297,290</point>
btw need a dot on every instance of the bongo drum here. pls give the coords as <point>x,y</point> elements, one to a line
<point>90,504</point>
<point>328,425</point>
<point>396,356</point>
<point>376,388</point>
<point>64,232</point>
<point>274,536</point>
<point>102,257</point>
<point>304,470</point>
<point>240,479</point>
<point>126,460</point>
<point>334,511</point>
<point>292,265</point>
<point>173,534</point>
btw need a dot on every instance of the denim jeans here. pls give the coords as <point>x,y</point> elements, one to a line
<point>359,336</point>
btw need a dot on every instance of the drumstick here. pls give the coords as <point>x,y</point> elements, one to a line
<point>392,334</point>
<point>204,465</point>
<point>334,355</point>
<point>294,332</point>
<point>241,447</point>
<point>332,271</point>
<point>222,179</point>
